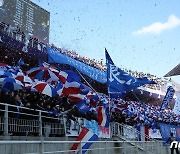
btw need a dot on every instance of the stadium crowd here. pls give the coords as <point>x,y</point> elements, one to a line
<point>128,112</point>
<point>99,65</point>
<point>17,34</point>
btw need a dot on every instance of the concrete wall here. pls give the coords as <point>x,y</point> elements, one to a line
<point>114,148</point>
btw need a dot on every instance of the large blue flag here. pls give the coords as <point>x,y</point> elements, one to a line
<point>119,81</point>
<point>168,97</point>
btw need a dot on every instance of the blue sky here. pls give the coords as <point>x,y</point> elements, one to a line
<point>141,35</point>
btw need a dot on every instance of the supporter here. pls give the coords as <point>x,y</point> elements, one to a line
<point>92,62</point>
<point>126,112</point>
<point>7,98</point>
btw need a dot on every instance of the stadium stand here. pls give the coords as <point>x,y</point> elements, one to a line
<point>11,54</point>
<point>25,106</point>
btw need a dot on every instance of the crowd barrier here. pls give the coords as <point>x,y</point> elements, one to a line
<point>21,121</point>
<point>127,132</point>
<point>98,147</point>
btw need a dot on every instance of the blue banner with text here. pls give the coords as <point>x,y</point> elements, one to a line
<point>94,73</point>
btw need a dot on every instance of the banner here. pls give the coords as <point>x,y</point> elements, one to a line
<point>102,132</point>
<point>73,128</point>
<point>56,57</point>
<point>168,97</point>
<point>176,108</point>
<point>167,129</point>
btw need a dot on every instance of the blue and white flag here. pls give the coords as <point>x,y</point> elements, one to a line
<point>168,97</point>
<point>119,81</point>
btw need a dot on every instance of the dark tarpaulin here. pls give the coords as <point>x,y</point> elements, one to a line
<point>175,71</point>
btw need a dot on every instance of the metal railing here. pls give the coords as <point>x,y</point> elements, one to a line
<point>130,134</point>
<point>15,120</point>
<point>127,132</point>
<point>37,123</point>
<point>98,147</point>
<point>21,121</point>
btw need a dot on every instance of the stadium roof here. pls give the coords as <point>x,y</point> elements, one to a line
<point>174,71</point>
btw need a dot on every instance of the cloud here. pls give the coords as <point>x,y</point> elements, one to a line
<point>158,27</point>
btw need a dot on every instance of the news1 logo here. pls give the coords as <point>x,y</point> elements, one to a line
<point>175,144</point>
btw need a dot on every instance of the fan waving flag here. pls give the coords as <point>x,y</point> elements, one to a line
<point>80,96</point>
<point>85,136</point>
<point>72,83</point>
<point>103,116</point>
<point>71,87</point>
<point>63,76</point>
<point>119,81</point>
<point>83,106</point>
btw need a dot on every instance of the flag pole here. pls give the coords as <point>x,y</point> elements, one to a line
<point>86,81</point>
<point>136,97</point>
<point>81,76</point>
<point>109,101</point>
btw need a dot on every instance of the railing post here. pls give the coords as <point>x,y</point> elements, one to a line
<point>6,120</point>
<point>136,145</point>
<point>41,147</point>
<point>113,129</point>
<point>119,133</point>
<point>106,148</point>
<point>160,147</point>
<point>64,122</point>
<point>40,124</point>
<point>124,147</point>
<point>80,147</point>
<point>144,148</point>
<point>154,147</point>
<point>117,129</point>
